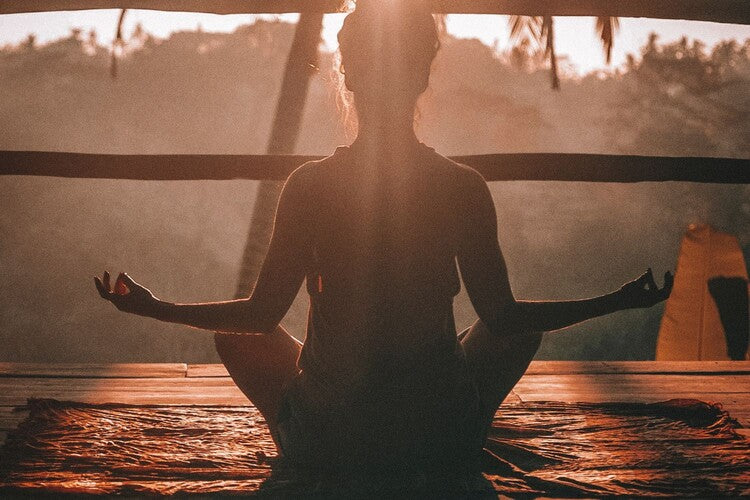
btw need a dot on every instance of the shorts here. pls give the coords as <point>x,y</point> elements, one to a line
<point>385,429</point>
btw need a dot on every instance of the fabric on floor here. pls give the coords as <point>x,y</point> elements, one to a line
<point>678,448</point>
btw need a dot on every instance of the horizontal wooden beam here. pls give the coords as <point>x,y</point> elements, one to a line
<point>704,368</point>
<point>723,11</point>
<point>93,370</point>
<point>494,167</point>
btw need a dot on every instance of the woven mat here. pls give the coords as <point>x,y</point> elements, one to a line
<point>677,448</point>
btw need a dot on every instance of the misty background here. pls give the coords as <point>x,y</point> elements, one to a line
<point>198,92</point>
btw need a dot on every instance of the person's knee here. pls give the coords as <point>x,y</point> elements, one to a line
<point>224,343</point>
<point>524,345</point>
<point>522,340</point>
<point>218,339</point>
<point>534,339</point>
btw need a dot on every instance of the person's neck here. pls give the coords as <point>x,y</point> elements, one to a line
<point>387,136</point>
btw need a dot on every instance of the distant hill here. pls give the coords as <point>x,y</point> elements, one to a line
<point>199,92</point>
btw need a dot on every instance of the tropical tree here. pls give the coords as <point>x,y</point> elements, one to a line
<point>680,82</point>
<point>541,30</point>
<point>118,43</point>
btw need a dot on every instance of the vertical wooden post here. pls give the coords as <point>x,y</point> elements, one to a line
<point>300,66</point>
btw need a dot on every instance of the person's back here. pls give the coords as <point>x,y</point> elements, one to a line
<point>381,357</point>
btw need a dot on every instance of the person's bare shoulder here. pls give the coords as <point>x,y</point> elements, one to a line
<point>464,176</point>
<point>314,170</point>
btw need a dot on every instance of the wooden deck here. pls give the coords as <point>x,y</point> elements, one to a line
<point>725,382</point>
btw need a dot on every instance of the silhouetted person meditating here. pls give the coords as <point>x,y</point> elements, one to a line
<point>378,231</point>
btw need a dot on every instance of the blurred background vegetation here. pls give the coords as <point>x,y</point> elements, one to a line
<point>198,92</point>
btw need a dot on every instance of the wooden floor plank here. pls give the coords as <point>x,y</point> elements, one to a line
<point>207,384</point>
<point>583,383</point>
<point>582,387</point>
<point>207,370</point>
<point>646,383</point>
<point>625,397</point>
<point>672,383</point>
<point>175,390</point>
<point>574,367</point>
<point>88,370</point>
<point>645,367</point>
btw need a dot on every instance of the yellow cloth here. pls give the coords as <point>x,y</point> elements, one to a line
<point>691,328</point>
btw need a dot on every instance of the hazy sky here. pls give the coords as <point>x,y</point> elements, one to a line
<point>575,36</point>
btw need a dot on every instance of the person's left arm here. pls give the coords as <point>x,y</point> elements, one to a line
<point>545,316</point>
<point>485,275</point>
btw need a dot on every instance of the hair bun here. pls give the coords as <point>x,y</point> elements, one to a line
<point>395,40</point>
<point>393,9</point>
<point>406,22</point>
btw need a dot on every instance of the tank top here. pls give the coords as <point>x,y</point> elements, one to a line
<point>381,357</point>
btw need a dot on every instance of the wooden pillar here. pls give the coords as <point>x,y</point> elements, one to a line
<point>300,66</point>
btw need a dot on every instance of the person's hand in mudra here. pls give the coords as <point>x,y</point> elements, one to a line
<point>127,295</point>
<point>643,291</point>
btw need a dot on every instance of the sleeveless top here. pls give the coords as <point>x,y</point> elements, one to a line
<point>382,373</point>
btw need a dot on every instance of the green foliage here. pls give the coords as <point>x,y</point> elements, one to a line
<point>686,101</point>
<point>198,92</point>
<point>540,30</point>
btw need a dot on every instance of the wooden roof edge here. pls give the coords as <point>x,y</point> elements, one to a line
<point>495,167</point>
<point>721,11</point>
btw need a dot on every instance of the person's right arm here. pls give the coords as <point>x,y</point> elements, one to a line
<point>279,280</point>
<point>480,259</point>
<point>485,276</point>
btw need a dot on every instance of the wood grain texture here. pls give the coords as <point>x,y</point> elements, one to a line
<point>561,387</point>
<point>207,370</point>
<point>572,367</point>
<point>102,370</point>
<point>635,367</point>
<point>725,382</point>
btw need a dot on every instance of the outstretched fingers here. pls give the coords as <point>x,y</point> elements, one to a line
<point>121,288</point>
<point>103,291</point>
<point>666,290</point>
<point>650,283</point>
<point>124,284</point>
<point>645,292</point>
<point>126,295</point>
<point>128,281</point>
<point>660,294</point>
<point>644,283</point>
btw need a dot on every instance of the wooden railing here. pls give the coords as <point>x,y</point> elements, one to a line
<point>494,167</point>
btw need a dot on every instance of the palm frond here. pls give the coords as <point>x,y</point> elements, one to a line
<point>525,27</point>
<point>548,36</point>
<point>539,29</point>
<point>606,28</point>
<point>117,42</point>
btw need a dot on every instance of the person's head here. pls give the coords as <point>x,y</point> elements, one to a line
<point>387,48</point>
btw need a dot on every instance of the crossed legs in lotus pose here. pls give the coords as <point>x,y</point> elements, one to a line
<point>263,365</point>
